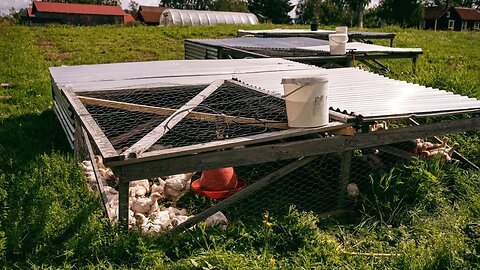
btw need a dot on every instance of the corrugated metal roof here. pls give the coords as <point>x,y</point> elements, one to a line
<point>300,43</point>
<point>308,33</point>
<point>368,95</point>
<point>351,91</point>
<point>78,8</point>
<point>364,48</point>
<point>253,42</point>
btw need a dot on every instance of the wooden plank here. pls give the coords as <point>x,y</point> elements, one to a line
<point>395,152</point>
<point>70,138</point>
<point>123,206</point>
<point>90,125</point>
<point>229,143</point>
<point>199,116</point>
<point>250,189</point>
<point>346,162</point>
<point>158,132</point>
<point>288,150</point>
<point>134,131</point>
<point>96,173</point>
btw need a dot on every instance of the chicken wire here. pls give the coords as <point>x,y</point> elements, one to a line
<point>125,127</point>
<point>326,184</point>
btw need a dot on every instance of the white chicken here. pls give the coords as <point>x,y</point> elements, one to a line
<point>428,149</point>
<point>139,188</point>
<point>352,190</point>
<point>176,186</point>
<point>146,205</point>
<point>105,173</point>
<point>217,219</point>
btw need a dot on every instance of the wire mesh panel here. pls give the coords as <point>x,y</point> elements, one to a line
<point>232,111</point>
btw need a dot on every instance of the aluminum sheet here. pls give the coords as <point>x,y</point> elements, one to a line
<point>359,47</point>
<point>351,91</point>
<point>308,33</point>
<point>253,42</point>
<point>370,96</point>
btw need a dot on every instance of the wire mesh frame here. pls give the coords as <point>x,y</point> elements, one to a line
<point>343,145</point>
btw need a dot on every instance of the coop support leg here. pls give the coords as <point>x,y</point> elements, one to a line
<point>345,165</point>
<point>245,192</point>
<point>79,142</point>
<point>123,204</point>
<point>414,65</point>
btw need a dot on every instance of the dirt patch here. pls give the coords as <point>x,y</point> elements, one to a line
<point>49,50</point>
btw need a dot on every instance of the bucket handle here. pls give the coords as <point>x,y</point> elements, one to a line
<point>339,42</point>
<point>295,90</point>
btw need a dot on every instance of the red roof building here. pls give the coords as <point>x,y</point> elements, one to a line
<point>76,14</point>
<point>150,15</point>
<point>451,18</point>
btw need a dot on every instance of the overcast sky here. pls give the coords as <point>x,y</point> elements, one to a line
<point>5,5</point>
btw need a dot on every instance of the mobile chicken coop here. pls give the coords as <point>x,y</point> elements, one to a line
<point>361,36</point>
<point>300,49</point>
<point>156,119</point>
<point>172,16</point>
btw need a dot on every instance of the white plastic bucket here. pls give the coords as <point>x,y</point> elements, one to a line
<point>338,44</point>
<point>306,101</point>
<point>341,29</point>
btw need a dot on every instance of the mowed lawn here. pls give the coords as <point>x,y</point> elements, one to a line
<point>50,220</point>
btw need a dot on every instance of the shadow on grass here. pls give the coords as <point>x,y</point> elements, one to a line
<point>25,137</point>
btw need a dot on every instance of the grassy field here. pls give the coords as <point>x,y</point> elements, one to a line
<point>425,215</point>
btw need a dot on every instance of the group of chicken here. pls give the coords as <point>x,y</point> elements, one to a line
<point>423,148</point>
<point>428,149</point>
<point>145,213</point>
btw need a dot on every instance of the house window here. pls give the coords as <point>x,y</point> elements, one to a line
<point>464,25</point>
<point>451,24</point>
<point>448,14</point>
<point>476,25</point>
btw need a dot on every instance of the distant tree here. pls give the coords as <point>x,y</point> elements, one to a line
<point>406,13</point>
<point>455,3</point>
<point>16,16</point>
<point>132,7</point>
<point>357,7</point>
<point>325,12</point>
<point>230,5</point>
<point>274,10</point>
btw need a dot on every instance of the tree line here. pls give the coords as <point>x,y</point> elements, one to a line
<point>406,13</point>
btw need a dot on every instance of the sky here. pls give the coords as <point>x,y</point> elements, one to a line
<point>5,5</point>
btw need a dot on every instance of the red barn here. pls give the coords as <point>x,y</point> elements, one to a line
<point>75,14</point>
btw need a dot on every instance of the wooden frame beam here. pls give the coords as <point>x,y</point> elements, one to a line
<point>228,143</point>
<point>158,132</point>
<point>287,150</point>
<point>101,141</point>
<point>200,116</point>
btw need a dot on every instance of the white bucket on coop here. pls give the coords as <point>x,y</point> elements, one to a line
<point>341,29</point>
<point>338,43</point>
<point>306,101</point>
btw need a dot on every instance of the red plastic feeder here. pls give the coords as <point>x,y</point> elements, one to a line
<point>218,183</point>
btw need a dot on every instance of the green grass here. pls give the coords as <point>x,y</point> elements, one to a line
<point>424,215</point>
